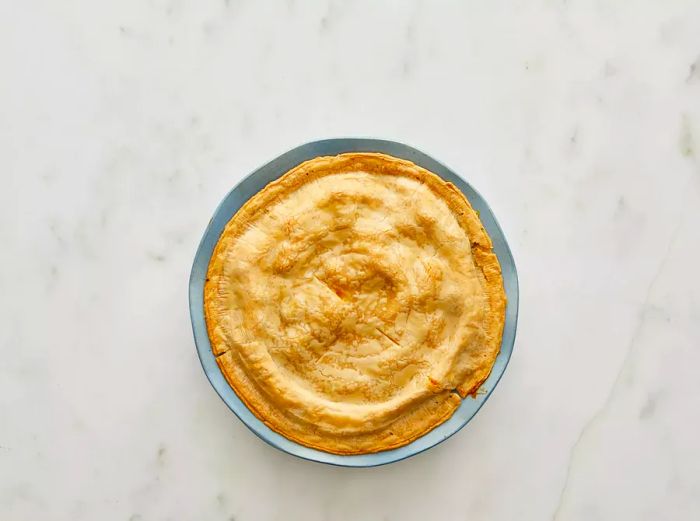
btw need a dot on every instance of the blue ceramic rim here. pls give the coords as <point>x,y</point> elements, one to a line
<point>252,184</point>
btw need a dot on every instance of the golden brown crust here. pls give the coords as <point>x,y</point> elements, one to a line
<point>347,312</point>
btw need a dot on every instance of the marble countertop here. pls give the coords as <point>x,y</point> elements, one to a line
<point>123,124</point>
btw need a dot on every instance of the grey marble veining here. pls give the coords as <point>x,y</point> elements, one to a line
<point>123,124</point>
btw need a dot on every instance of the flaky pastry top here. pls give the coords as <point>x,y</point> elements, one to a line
<point>354,302</point>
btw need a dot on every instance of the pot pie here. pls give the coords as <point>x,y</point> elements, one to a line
<point>354,302</point>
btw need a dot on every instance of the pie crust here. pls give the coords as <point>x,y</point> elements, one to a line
<point>354,302</point>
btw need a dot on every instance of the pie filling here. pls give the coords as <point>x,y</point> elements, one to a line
<point>354,302</point>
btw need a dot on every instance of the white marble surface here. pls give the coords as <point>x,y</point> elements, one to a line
<point>122,125</point>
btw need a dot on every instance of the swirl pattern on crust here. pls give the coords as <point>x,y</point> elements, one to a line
<point>354,302</point>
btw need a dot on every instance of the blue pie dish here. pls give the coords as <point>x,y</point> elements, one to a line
<point>255,182</point>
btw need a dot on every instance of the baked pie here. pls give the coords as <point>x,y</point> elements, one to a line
<point>354,302</point>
